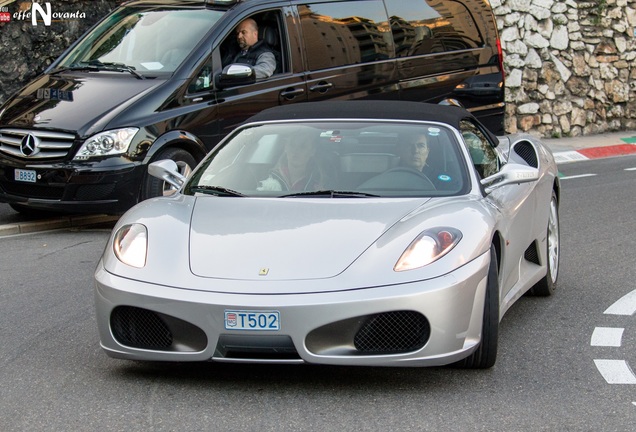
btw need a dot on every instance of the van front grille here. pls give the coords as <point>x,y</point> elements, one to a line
<point>34,144</point>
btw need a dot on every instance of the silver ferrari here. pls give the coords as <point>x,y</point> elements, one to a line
<point>343,233</point>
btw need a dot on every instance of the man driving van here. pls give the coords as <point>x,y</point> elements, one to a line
<point>254,52</point>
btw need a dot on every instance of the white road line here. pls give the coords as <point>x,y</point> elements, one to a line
<point>626,305</point>
<point>616,371</point>
<point>607,337</point>
<point>568,156</point>
<point>630,169</point>
<point>577,176</point>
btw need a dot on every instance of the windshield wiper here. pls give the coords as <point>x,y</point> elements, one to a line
<point>330,194</point>
<point>76,67</point>
<point>96,66</point>
<point>117,67</point>
<point>216,190</point>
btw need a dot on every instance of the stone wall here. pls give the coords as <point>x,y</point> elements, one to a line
<point>27,49</point>
<point>569,65</point>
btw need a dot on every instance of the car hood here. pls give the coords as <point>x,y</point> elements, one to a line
<point>82,102</point>
<point>287,239</point>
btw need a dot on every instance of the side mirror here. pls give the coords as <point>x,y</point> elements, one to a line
<point>235,74</point>
<point>168,171</point>
<point>511,173</point>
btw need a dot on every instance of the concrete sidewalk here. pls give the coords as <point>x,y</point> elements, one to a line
<point>574,149</point>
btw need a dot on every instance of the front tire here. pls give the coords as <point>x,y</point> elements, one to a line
<point>546,286</point>
<point>486,354</point>
<point>154,187</point>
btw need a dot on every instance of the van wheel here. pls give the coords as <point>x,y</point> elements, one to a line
<point>153,187</point>
<point>486,354</point>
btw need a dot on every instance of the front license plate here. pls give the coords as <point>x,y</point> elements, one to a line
<point>25,175</point>
<point>252,320</point>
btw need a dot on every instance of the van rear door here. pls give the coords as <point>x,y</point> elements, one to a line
<point>447,51</point>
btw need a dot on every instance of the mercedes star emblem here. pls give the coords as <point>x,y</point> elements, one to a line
<point>29,145</point>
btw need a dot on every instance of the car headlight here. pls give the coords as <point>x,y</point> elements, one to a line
<point>131,245</point>
<point>428,247</point>
<point>107,143</point>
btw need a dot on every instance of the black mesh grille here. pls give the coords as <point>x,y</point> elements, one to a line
<point>527,153</point>
<point>32,190</point>
<point>531,254</point>
<point>393,332</point>
<point>94,192</point>
<point>140,328</point>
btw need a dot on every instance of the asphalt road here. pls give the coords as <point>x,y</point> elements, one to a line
<point>55,377</point>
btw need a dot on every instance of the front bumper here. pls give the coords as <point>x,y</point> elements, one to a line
<point>315,328</point>
<point>108,186</point>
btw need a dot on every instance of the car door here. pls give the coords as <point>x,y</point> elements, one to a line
<point>514,203</point>
<point>239,102</point>
<point>348,50</point>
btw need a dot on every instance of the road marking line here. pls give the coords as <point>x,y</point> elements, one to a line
<point>630,169</point>
<point>607,337</point>
<point>568,156</point>
<point>616,371</point>
<point>577,176</point>
<point>626,305</point>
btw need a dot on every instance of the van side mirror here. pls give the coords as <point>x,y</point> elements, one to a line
<point>511,173</point>
<point>234,75</point>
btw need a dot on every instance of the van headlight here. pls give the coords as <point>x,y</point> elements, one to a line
<point>106,143</point>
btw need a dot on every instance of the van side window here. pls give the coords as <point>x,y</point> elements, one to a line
<point>345,33</point>
<point>269,35</point>
<point>424,27</point>
<point>481,151</point>
<point>203,78</point>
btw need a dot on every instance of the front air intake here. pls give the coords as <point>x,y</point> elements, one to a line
<point>393,332</point>
<point>140,328</point>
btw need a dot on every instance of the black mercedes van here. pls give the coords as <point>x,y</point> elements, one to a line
<point>150,82</point>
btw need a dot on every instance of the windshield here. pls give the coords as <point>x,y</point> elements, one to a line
<point>150,41</point>
<point>334,160</point>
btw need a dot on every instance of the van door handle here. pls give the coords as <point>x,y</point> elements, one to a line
<point>322,87</point>
<point>291,93</point>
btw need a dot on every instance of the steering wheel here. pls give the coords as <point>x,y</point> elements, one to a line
<point>396,179</point>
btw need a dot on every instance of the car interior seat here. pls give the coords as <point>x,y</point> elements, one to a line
<point>269,35</point>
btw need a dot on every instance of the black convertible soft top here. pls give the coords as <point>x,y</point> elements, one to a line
<point>369,109</point>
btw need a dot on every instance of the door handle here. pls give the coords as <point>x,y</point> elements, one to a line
<point>291,93</point>
<point>321,87</point>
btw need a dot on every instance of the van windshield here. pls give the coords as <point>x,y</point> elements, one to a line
<point>146,41</point>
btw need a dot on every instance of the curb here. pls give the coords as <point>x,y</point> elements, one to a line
<point>52,224</point>
<point>594,153</point>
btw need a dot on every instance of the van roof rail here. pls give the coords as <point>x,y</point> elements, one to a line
<point>222,2</point>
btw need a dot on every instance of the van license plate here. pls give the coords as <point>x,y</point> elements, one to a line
<point>25,175</point>
<point>252,320</point>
